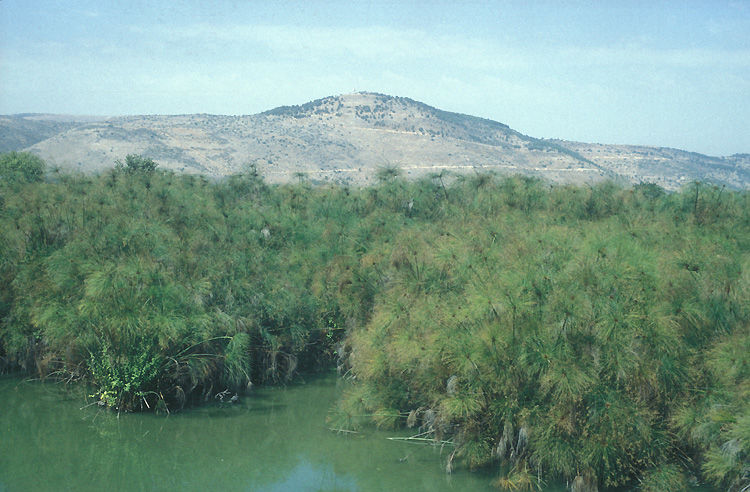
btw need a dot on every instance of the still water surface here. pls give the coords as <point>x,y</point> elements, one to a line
<point>274,440</point>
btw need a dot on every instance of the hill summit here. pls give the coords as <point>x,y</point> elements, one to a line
<point>346,138</point>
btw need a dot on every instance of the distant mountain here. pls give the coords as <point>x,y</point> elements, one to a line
<point>670,168</point>
<point>347,138</point>
<point>18,131</point>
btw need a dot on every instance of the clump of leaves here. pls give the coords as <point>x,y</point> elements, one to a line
<point>126,381</point>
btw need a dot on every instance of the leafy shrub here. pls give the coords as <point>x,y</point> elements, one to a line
<point>22,167</point>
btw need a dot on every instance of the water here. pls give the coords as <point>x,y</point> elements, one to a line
<point>274,440</point>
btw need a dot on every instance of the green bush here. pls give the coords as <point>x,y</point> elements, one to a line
<point>136,164</point>
<point>21,167</point>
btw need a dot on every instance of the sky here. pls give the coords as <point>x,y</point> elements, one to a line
<point>671,74</point>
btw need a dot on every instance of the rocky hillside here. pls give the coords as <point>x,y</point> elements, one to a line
<point>671,168</point>
<point>22,130</point>
<point>347,138</point>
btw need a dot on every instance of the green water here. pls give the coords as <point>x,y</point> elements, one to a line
<point>274,440</point>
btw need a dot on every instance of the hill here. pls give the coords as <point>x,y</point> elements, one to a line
<point>22,130</point>
<point>346,138</point>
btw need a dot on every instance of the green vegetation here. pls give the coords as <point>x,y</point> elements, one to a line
<point>136,163</point>
<point>158,288</point>
<point>21,167</point>
<point>595,334</point>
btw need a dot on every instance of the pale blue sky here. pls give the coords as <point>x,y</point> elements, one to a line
<point>673,74</point>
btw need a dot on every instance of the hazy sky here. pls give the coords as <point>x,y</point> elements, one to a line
<point>673,74</point>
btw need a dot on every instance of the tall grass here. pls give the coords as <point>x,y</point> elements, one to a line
<point>598,334</point>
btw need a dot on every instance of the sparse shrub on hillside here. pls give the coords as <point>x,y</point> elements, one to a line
<point>387,173</point>
<point>136,164</point>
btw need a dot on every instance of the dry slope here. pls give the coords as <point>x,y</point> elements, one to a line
<point>346,138</point>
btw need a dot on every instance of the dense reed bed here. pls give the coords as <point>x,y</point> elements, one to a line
<point>595,334</point>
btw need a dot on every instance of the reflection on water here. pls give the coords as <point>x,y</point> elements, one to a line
<point>274,440</point>
<point>307,477</point>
